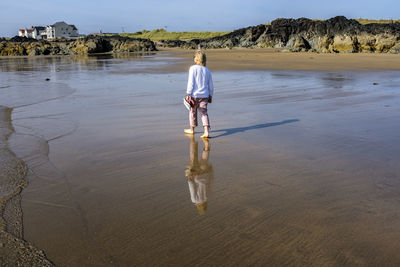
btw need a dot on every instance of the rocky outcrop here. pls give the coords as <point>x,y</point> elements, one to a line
<point>22,46</point>
<point>334,35</point>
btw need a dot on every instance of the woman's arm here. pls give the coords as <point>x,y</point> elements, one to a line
<point>210,88</point>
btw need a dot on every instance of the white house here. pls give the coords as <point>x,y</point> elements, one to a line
<point>60,30</point>
<point>33,32</point>
<point>57,30</point>
<point>22,33</point>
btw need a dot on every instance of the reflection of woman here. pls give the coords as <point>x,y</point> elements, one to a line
<point>199,174</point>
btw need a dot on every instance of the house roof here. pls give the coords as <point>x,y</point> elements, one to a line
<point>22,30</point>
<point>39,28</point>
<point>59,23</point>
<point>64,23</point>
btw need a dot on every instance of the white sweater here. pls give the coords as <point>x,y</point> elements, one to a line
<point>198,190</point>
<point>200,83</point>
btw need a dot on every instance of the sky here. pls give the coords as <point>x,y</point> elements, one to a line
<point>116,16</point>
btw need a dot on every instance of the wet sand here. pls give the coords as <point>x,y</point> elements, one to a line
<point>302,167</point>
<point>14,250</point>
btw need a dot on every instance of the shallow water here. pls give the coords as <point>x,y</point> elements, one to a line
<point>302,167</point>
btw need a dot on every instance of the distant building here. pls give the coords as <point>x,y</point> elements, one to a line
<point>99,33</point>
<point>37,32</point>
<point>57,30</point>
<point>33,32</point>
<point>60,30</point>
<point>22,33</point>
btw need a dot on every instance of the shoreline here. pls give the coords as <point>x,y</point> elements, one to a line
<point>252,59</point>
<point>15,250</point>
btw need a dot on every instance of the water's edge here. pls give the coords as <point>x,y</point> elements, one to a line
<point>14,250</point>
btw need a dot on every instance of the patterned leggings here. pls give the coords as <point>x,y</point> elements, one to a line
<point>200,104</point>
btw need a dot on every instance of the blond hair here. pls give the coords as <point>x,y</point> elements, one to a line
<point>200,57</point>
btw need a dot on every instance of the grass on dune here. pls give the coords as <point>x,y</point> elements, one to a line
<point>162,34</point>
<point>368,21</point>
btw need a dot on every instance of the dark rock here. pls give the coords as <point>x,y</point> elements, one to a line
<point>298,44</point>
<point>19,39</point>
<point>334,35</point>
<point>22,46</point>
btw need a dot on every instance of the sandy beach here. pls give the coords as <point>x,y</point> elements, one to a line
<point>301,167</point>
<point>239,59</point>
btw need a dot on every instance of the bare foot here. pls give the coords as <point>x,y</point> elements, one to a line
<point>188,131</point>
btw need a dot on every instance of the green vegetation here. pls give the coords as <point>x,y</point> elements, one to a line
<point>368,21</point>
<point>162,34</point>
